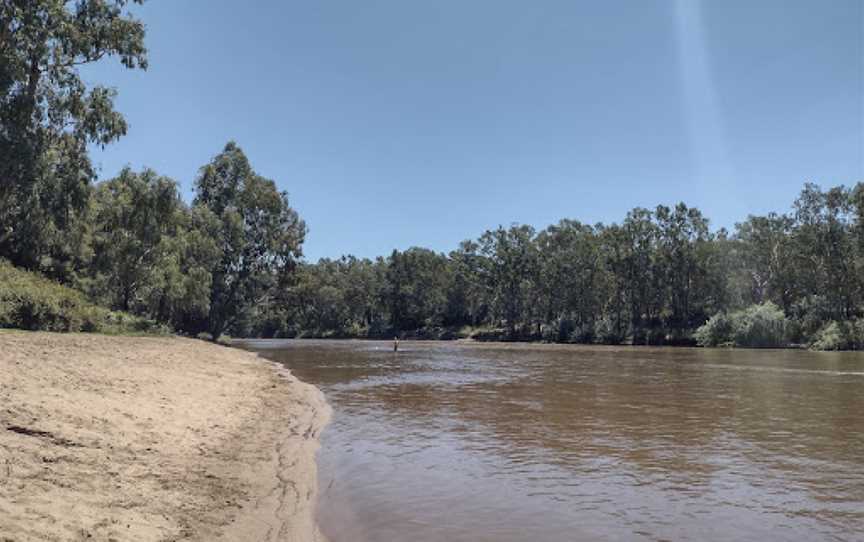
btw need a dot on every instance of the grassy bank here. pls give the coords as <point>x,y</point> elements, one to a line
<point>32,302</point>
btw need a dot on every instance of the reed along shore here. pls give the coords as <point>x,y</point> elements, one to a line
<point>153,439</point>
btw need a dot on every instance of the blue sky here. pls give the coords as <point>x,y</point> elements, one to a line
<point>395,123</point>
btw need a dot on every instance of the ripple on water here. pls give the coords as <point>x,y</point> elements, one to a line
<point>466,442</point>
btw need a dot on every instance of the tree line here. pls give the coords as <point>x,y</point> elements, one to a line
<point>656,277</point>
<point>231,261</point>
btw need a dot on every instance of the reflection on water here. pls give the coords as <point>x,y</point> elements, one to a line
<point>473,442</point>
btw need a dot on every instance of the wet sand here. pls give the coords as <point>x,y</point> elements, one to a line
<point>153,439</point>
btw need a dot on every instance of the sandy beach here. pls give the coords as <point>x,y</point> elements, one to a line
<point>153,439</point>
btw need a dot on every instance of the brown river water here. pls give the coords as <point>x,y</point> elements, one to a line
<point>544,443</point>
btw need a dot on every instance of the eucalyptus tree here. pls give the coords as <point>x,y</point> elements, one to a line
<point>258,235</point>
<point>768,255</point>
<point>643,278</point>
<point>179,290</point>
<point>857,198</point>
<point>681,231</point>
<point>48,116</point>
<point>726,281</point>
<point>149,254</point>
<point>567,293</point>
<point>134,216</point>
<point>364,289</point>
<point>469,296</point>
<point>322,289</point>
<point>293,310</point>
<point>417,285</point>
<point>511,257</point>
<point>613,316</point>
<point>825,246</point>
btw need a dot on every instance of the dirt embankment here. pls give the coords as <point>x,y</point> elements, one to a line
<point>153,439</point>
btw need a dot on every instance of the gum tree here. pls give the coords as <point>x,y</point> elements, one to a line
<point>48,116</point>
<point>257,233</point>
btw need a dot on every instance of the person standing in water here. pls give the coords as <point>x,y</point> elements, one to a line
<point>395,344</point>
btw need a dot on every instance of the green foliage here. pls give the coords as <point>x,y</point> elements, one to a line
<point>134,214</point>
<point>131,243</point>
<point>840,336</point>
<point>830,337</point>
<point>257,234</point>
<point>30,301</point>
<point>609,331</point>
<point>224,263</point>
<point>48,117</point>
<point>758,326</point>
<point>510,267</point>
<point>659,277</point>
<point>151,254</point>
<point>566,292</point>
<point>719,330</point>
<point>416,291</point>
<point>809,314</point>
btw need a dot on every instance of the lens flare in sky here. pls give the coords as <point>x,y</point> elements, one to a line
<point>709,153</point>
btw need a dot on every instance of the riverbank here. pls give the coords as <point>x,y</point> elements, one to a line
<point>136,438</point>
<point>496,338</point>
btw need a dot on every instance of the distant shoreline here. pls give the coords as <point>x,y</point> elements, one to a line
<point>469,340</point>
<point>146,438</point>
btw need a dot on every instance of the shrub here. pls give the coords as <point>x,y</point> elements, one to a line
<point>847,335</point>
<point>760,326</point>
<point>32,302</point>
<point>809,315</point>
<point>718,330</point>
<point>606,332</point>
<point>830,337</point>
<point>757,326</point>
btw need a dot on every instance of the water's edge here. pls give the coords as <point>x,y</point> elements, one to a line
<point>289,511</point>
<point>146,438</point>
